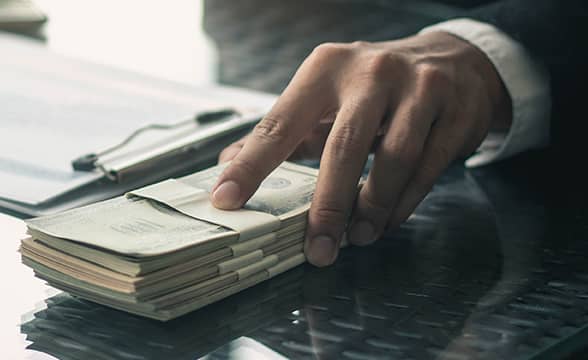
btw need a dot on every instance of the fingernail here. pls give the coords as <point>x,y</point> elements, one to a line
<point>322,250</point>
<point>226,195</point>
<point>362,233</point>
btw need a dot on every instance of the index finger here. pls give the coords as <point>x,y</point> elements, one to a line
<point>343,159</point>
<point>271,142</point>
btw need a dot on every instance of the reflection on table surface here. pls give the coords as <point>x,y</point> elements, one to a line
<point>465,277</point>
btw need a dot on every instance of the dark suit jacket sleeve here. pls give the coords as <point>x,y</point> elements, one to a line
<point>555,32</point>
<point>552,30</point>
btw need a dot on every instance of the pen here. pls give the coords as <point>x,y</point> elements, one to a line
<point>87,162</point>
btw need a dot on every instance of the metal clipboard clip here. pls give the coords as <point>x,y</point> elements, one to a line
<point>168,145</point>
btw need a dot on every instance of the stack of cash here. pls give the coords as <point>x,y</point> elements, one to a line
<point>163,250</point>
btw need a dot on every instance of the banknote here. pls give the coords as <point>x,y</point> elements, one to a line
<point>163,250</point>
<point>288,188</point>
<point>142,227</point>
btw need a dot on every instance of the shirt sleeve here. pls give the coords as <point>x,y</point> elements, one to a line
<point>526,80</point>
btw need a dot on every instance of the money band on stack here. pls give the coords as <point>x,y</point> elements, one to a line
<point>195,202</point>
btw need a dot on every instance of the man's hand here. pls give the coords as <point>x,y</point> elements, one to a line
<point>417,103</point>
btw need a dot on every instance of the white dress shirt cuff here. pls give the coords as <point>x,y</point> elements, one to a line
<point>526,81</point>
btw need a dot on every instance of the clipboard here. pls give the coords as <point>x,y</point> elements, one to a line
<point>57,110</point>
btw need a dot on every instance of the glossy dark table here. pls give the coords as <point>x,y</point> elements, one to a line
<point>484,269</point>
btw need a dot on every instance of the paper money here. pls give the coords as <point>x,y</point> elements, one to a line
<point>163,250</point>
<point>139,227</point>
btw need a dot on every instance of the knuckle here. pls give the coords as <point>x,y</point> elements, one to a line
<point>329,50</point>
<point>411,152</point>
<point>433,75</point>
<point>271,129</point>
<point>243,169</point>
<point>345,142</point>
<point>329,215</point>
<point>378,66</point>
<point>403,154</point>
<point>359,44</point>
<point>379,204</point>
<point>382,65</point>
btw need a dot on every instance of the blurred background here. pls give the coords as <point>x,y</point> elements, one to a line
<point>256,44</point>
<point>163,39</point>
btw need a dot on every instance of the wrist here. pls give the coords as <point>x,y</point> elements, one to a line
<point>496,89</point>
